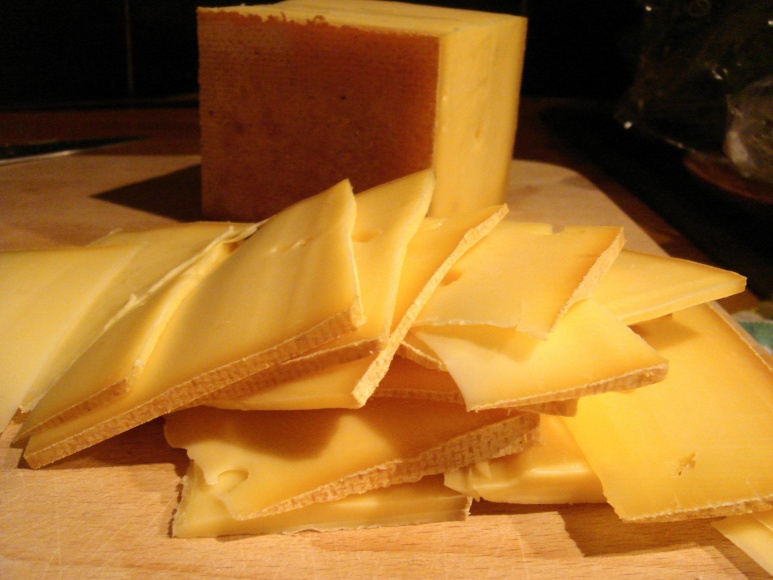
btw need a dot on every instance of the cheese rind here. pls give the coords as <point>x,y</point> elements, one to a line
<point>698,444</point>
<point>202,514</point>
<point>453,78</point>
<point>314,459</point>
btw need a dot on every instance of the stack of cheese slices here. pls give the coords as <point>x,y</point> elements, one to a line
<point>353,362</point>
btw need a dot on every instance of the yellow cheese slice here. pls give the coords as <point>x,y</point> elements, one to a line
<point>641,287</point>
<point>201,513</point>
<point>117,358</point>
<point>523,276</point>
<point>554,471</point>
<point>161,254</point>
<point>589,351</point>
<point>698,444</point>
<point>44,295</point>
<point>437,245</point>
<point>753,533</point>
<point>453,77</point>
<point>277,461</point>
<point>288,288</point>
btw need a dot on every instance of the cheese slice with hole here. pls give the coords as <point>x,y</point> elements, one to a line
<point>700,443</point>
<point>437,245</point>
<point>201,512</point>
<point>554,471</point>
<point>277,461</point>
<point>116,359</point>
<point>44,296</point>
<point>288,288</point>
<point>321,67</point>
<point>640,287</point>
<point>589,351</point>
<point>753,533</point>
<point>540,273</point>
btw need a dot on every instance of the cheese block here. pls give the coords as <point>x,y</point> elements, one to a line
<point>117,358</point>
<point>161,254</point>
<point>410,380</point>
<point>44,296</point>
<point>753,533</point>
<point>589,351</point>
<point>298,95</point>
<point>437,245</point>
<point>201,512</point>
<point>288,288</point>
<point>698,444</point>
<point>640,287</point>
<point>540,273</point>
<point>277,461</point>
<point>554,471</point>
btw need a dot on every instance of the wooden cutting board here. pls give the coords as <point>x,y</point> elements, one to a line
<point>106,511</point>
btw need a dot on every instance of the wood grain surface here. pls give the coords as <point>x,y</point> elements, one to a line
<point>106,512</point>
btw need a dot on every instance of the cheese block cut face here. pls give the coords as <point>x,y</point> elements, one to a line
<point>299,95</point>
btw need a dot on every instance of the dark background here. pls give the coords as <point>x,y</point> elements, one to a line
<point>135,52</point>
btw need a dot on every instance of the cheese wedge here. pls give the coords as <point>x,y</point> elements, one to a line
<point>437,245</point>
<point>277,461</point>
<point>116,360</point>
<point>698,444</point>
<point>753,533</point>
<point>44,297</point>
<point>201,512</point>
<point>554,471</point>
<point>539,274</point>
<point>289,288</point>
<point>293,98</point>
<point>640,287</point>
<point>589,351</point>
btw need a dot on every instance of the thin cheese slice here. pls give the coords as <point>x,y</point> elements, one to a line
<point>115,361</point>
<point>641,287</point>
<point>698,444</point>
<point>289,288</point>
<point>283,460</point>
<point>323,67</point>
<point>44,295</point>
<point>201,513</point>
<point>753,533</point>
<point>437,245</point>
<point>589,351</point>
<point>554,471</point>
<point>539,275</point>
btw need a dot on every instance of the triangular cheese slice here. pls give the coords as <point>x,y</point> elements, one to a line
<point>201,513</point>
<point>700,443</point>
<point>44,296</point>
<point>753,533</point>
<point>289,288</point>
<point>589,351</point>
<point>283,460</point>
<point>523,276</point>
<point>437,245</point>
<point>554,471</point>
<point>640,287</point>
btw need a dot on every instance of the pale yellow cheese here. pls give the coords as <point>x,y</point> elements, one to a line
<point>523,276</point>
<point>44,296</point>
<point>641,287</point>
<point>201,513</point>
<point>589,351</point>
<point>117,358</point>
<point>698,444</point>
<point>289,288</point>
<point>437,245</point>
<point>277,461</point>
<point>364,89</point>
<point>554,471</point>
<point>753,533</point>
